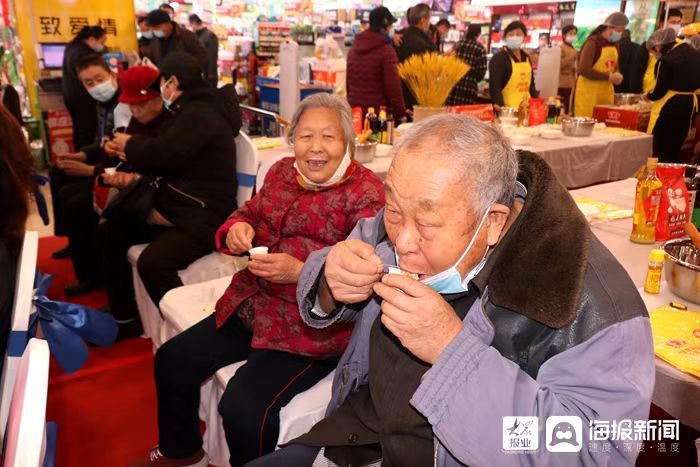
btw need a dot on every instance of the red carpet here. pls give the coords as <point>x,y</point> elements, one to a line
<point>106,411</point>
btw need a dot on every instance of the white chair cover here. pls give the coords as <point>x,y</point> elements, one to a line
<point>211,266</point>
<point>186,306</point>
<point>24,293</point>
<point>25,444</point>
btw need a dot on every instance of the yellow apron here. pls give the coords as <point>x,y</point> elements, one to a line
<point>590,92</point>
<point>518,85</point>
<point>657,106</point>
<point>650,75</point>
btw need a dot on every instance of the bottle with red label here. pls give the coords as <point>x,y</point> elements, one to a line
<point>646,205</point>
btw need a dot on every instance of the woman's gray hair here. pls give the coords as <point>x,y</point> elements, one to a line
<point>485,157</point>
<point>327,101</point>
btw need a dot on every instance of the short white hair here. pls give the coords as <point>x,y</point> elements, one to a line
<point>327,101</point>
<point>488,163</point>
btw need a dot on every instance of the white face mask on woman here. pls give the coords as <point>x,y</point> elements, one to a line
<point>514,42</point>
<point>570,38</point>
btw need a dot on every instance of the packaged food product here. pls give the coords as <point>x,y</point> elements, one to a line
<point>674,209</point>
<point>537,112</point>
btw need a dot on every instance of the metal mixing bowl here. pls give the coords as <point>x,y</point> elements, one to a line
<point>682,265</point>
<point>577,126</point>
<point>627,98</point>
<point>365,152</point>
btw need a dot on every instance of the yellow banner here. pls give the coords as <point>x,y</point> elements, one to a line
<point>58,21</point>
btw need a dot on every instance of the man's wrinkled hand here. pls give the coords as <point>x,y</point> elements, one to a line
<point>352,268</point>
<point>119,180</point>
<point>72,156</point>
<point>417,315</point>
<point>240,238</point>
<point>112,150</point>
<point>279,268</point>
<point>75,168</point>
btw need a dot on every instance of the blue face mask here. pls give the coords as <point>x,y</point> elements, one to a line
<point>615,36</point>
<point>450,281</point>
<point>103,92</point>
<point>514,42</point>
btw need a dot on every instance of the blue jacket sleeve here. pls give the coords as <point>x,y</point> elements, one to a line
<point>312,273</point>
<point>469,390</point>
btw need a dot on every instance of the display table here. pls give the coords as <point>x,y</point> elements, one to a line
<point>576,161</point>
<point>598,158</point>
<point>675,392</point>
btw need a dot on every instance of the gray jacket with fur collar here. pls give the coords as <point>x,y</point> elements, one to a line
<point>559,330</point>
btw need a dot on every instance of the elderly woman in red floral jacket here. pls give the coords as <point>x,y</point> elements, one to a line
<point>306,203</point>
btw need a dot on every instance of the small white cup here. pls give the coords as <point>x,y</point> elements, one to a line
<point>258,250</point>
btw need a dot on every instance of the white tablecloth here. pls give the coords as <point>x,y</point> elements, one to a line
<point>675,392</point>
<point>598,158</point>
<point>576,161</point>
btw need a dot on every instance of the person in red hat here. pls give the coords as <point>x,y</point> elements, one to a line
<point>141,93</point>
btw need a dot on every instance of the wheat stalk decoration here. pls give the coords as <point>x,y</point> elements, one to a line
<point>431,77</point>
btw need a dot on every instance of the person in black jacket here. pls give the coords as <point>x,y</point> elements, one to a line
<point>675,95</point>
<point>415,41</point>
<point>80,105</point>
<point>72,177</point>
<point>169,37</point>
<point>629,63</point>
<point>211,43</point>
<point>195,154</point>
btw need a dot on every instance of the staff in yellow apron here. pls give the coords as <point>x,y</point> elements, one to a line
<point>678,74</point>
<point>649,75</point>
<point>509,91</point>
<point>594,85</point>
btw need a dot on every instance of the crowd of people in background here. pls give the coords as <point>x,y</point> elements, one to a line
<point>609,62</point>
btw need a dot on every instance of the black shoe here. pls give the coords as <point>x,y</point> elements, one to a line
<point>129,329</point>
<point>63,253</point>
<point>79,288</point>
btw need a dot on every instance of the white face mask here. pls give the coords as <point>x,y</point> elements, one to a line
<point>514,42</point>
<point>158,33</point>
<point>99,48</point>
<point>147,34</point>
<point>166,101</point>
<point>450,281</point>
<point>570,38</point>
<point>337,175</point>
<point>675,27</point>
<point>103,92</point>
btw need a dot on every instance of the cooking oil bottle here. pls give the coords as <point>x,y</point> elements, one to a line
<point>646,205</point>
<point>652,284</point>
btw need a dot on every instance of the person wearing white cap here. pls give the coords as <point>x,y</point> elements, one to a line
<point>675,96</point>
<point>598,66</point>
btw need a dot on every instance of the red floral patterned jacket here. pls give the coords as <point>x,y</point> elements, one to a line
<point>290,219</point>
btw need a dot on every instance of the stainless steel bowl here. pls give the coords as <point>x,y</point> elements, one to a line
<point>508,112</point>
<point>365,152</point>
<point>577,126</point>
<point>627,98</point>
<point>682,265</point>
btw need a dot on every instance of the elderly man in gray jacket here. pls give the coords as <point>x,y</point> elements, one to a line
<point>513,309</point>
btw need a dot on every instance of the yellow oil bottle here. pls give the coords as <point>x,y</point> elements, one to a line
<point>646,205</point>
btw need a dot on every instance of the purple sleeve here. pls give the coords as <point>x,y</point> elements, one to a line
<point>471,387</point>
<point>311,273</point>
